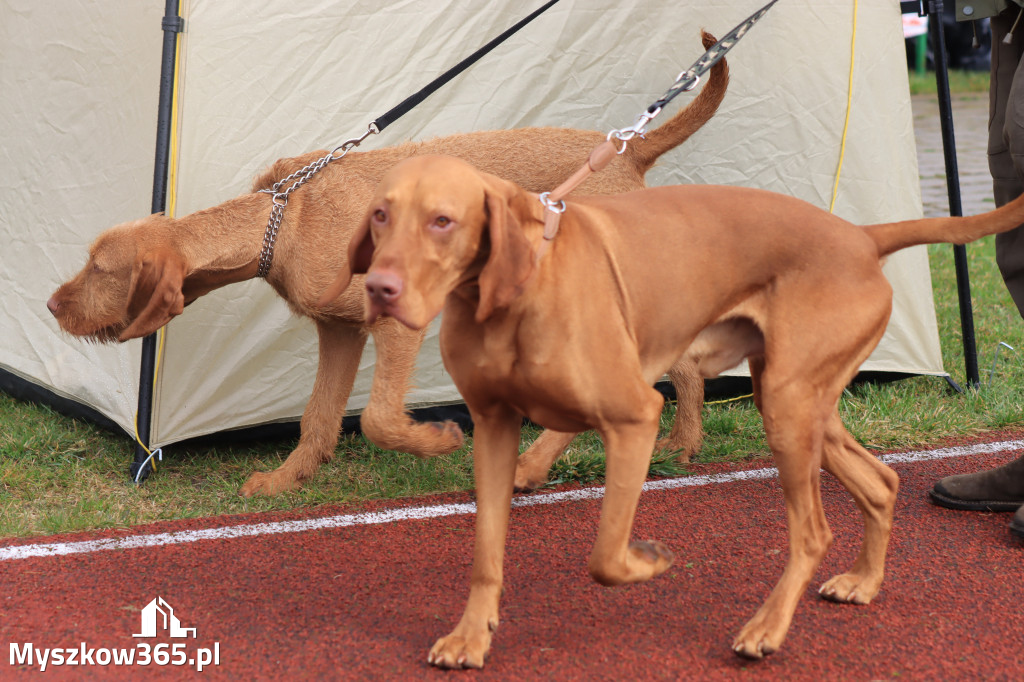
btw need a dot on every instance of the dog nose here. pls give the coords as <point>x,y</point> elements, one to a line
<point>384,287</point>
<point>53,305</point>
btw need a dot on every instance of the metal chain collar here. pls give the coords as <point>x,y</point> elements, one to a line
<point>280,198</point>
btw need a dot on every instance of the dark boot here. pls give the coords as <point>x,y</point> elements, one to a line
<point>1017,524</point>
<point>999,489</point>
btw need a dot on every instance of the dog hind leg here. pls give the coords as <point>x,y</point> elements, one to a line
<point>534,464</point>
<point>797,390</point>
<point>686,435</point>
<point>794,424</point>
<point>873,486</point>
<point>341,346</point>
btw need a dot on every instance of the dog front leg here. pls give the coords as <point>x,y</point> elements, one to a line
<point>385,421</point>
<point>341,346</point>
<point>614,560</point>
<point>495,447</point>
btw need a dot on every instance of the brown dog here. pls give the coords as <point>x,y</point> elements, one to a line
<point>142,274</point>
<point>575,339</point>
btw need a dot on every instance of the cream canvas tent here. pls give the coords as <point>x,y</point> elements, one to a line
<point>257,81</point>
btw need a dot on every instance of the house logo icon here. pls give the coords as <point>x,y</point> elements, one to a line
<point>158,616</point>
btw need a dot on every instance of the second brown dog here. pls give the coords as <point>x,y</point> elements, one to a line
<point>142,274</point>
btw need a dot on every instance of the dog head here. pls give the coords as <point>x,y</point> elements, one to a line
<point>130,287</point>
<point>436,224</point>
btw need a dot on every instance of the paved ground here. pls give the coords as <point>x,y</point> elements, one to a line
<point>970,122</point>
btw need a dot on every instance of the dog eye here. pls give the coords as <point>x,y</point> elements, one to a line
<point>379,216</point>
<point>442,222</point>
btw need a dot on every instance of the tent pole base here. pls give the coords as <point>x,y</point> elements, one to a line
<point>140,468</point>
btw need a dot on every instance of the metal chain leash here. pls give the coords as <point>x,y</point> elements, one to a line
<point>687,80</point>
<point>602,155</point>
<point>280,198</point>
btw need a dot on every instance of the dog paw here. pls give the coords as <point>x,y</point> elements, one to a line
<point>449,436</point>
<point>755,641</point>
<point>527,480</point>
<point>655,554</point>
<point>429,439</point>
<point>850,588</point>
<point>269,483</point>
<point>644,561</point>
<point>686,448</point>
<point>755,650</point>
<point>455,651</point>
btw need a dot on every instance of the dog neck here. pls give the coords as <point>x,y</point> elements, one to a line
<point>221,245</point>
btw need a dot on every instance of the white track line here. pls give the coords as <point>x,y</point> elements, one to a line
<point>438,511</point>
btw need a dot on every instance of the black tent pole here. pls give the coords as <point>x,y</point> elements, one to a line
<point>933,8</point>
<point>172,26</point>
<point>963,281</point>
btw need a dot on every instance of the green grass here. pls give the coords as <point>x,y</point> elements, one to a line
<point>959,82</point>
<point>58,474</point>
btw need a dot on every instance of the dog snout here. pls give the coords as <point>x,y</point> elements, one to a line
<point>383,287</point>
<point>53,305</point>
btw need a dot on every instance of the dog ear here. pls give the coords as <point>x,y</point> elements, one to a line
<point>155,296</point>
<point>511,259</point>
<point>360,254</point>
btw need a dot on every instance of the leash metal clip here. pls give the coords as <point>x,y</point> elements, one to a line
<point>639,127</point>
<point>553,206</point>
<point>354,142</point>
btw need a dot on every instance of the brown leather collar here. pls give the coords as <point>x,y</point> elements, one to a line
<point>553,202</point>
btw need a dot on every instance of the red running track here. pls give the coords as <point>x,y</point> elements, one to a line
<point>365,602</point>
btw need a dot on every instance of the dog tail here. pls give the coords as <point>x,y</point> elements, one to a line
<point>891,237</point>
<point>680,127</point>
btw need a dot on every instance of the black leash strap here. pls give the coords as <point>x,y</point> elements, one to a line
<point>397,112</point>
<point>301,176</point>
